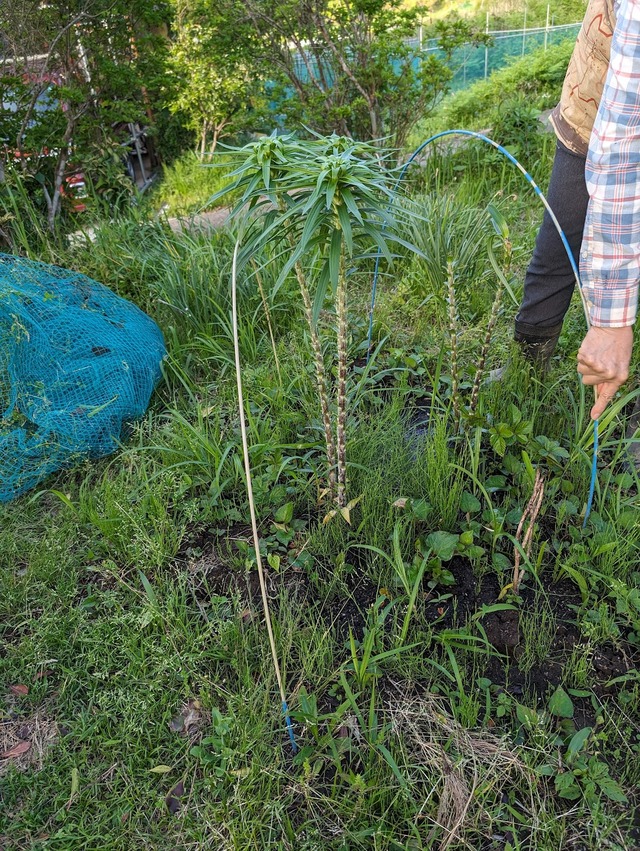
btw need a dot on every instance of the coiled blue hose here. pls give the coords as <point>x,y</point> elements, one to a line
<point>574,267</point>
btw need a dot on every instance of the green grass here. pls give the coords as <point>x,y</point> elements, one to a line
<point>129,604</point>
<point>189,182</point>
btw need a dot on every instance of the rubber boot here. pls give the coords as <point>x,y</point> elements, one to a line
<point>537,343</point>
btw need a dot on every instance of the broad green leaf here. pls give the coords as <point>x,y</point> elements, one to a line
<point>560,704</point>
<point>612,790</point>
<point>526,716</point>
<point>443,544</point>
<point>273,560</point>
<point>578,742</point>
<point>566,786</point>
<point>419,508</point>
<point>284,514</point>
<point>469,504</point>
<point>498,443</point>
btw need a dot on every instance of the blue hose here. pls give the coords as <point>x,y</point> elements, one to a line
<point>537,190</point>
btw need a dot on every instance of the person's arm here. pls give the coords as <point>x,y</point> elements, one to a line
<point>610,255</point>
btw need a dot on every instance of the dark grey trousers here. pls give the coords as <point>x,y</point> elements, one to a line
<point>549,281</point>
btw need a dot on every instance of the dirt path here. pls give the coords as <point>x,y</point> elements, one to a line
<point>201,221</point>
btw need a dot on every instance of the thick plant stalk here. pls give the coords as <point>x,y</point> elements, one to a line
<point>321,375</point>
<point>453,335</point>
<point>321,381</point>
<point>341,391</point>
<point>485,350</point>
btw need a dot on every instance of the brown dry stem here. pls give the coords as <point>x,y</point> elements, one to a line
<point>530,513</point>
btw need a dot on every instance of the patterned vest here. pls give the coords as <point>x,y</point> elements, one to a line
<point>573,117</point>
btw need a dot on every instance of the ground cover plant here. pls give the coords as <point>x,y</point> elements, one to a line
<point>461,659</point>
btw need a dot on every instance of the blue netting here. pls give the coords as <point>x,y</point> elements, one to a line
<point>77,365</point>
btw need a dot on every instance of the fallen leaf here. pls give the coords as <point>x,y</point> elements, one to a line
<point>246,616</point>
<point>17,750</point>
<point>192,715</point>
<point>42,674</point>
<point>75,785</point>
<point>400,503</point>
<point>173,798</point>
<point>241,772</point>
<point>189,717</point>
<point>160,769</point>
<point>176,725</point>
<point>19,689</point>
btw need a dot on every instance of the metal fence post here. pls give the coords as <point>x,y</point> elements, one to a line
<point>524,30</point>
<point>486,51</point>
<point>546,28</point>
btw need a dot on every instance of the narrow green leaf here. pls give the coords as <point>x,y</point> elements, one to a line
<point>393,765</point>
<point>560,704</point>
<point>151,594</point>
<point>349,200</point>
<point>330,192</point>
<point>578,742</point>
<point>266,173</point>
<point>345,224</point>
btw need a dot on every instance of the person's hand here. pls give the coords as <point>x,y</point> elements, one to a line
<point>603,360</point>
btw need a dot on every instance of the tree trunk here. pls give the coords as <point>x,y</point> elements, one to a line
<point>203,138</point>
<point>53,200</point>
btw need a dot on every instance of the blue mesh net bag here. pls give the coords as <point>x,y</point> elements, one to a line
<point>77,365</point>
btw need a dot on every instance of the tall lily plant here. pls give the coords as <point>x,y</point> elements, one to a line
<point>326,205</point>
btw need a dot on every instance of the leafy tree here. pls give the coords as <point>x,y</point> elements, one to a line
<point>210,89</point>
<point>345,65</point>
<point>71,72</point>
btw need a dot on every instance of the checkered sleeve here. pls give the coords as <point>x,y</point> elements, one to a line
<point>610,254</point>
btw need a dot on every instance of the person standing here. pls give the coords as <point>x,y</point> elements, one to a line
<point>595,194</point>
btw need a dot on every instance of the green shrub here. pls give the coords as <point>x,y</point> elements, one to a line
<point>536,79</point>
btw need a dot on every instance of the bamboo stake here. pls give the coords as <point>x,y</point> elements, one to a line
<point>252,507</point>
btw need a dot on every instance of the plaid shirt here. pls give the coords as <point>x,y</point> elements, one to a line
<point>610,255</point>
